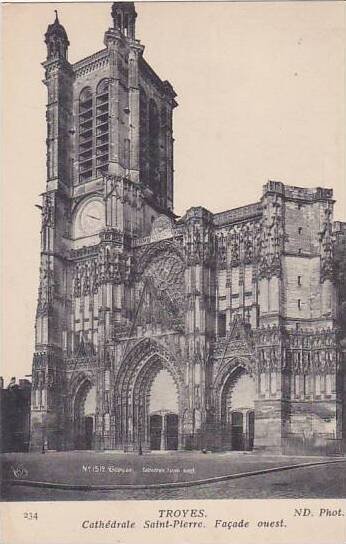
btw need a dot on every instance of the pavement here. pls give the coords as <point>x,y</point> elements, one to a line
<point>115,475</point>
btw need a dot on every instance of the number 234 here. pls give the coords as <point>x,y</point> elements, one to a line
<point>30,515</point>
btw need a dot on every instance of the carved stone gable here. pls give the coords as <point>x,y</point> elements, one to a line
<point>239,340</point>
<point>237,348</point>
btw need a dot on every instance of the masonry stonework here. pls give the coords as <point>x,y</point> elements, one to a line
<point>253,295</point>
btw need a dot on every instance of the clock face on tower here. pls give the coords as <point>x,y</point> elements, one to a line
<point>90,219</point>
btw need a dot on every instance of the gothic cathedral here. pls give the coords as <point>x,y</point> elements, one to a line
<point>241,312</point>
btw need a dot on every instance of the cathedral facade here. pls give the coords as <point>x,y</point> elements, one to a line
<point>248,303</point>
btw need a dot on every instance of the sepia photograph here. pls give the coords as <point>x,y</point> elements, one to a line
<point>174,240</point>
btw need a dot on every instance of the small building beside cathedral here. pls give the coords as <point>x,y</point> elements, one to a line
<point>15,404</point>
<point>242,314</point>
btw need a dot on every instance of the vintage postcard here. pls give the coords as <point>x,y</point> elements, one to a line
<point>174,273</point>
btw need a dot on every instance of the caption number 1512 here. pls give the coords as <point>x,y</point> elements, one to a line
<point>30,515</point>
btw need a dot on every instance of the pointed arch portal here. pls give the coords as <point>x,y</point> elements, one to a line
<point>84,408</point>
<point>163,412</point>
<point>146,419</point>
<point>236,403</point>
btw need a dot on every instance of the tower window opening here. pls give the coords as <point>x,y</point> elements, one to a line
<point>86,122</point>
<point>299,304</point>
<point>93,117</point>
<point>299,280</point>
<point>102,127</point>
<point>300,230</point>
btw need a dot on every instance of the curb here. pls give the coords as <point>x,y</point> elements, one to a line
<point>167,485</point>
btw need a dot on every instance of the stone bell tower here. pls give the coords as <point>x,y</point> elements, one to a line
<point>109,176</point>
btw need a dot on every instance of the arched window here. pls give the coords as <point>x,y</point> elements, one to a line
<point>85,134</point>
<point>102,126</point>
<point>93,151</point>
<point>102,87</point>
<point>143,137</point>
<point>154,147</point>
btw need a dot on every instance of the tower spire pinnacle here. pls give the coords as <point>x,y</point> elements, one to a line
<point>56,40</point>
<point>124,18</point>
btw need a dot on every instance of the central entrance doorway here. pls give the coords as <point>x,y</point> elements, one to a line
<point>163,409</point>
<point>163,431</point>
<point>148,384</point>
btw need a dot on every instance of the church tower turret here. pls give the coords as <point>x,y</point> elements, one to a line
<point>56,40</point>
<point>59,83</point>
<point>52,303</point>
<point>124,18</point>
<point>124,53</point>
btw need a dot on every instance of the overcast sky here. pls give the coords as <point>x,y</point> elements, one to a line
<point>261,96</point>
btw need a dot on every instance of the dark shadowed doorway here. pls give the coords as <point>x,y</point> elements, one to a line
<point>164,431</point>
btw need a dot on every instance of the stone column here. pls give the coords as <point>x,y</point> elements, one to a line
<point>134,118</point>
<point>163,444</point>
<point>199,243</point>
<point>245,429</point>
<point>271,405</point>
<point>111,41</point>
